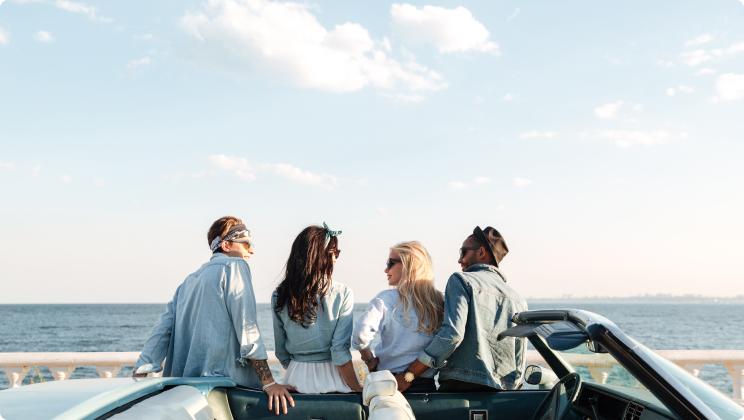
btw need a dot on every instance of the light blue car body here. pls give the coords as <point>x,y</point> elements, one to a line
<point>89,398</point>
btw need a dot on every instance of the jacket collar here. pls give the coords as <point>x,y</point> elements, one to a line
<point>485,267</point>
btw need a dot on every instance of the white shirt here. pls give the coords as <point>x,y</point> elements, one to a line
<point>399,341</point>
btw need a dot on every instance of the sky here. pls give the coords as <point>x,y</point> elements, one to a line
<point>603,139</point>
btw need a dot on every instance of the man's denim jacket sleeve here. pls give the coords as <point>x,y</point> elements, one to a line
<point>450,334</point>
<point>341,339</point>
<point>156,346</point>
<point>280,336</point>
<point>241,306</point>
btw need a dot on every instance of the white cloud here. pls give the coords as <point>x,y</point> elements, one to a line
<point>461,185</point>
<point>242,169</point>
<point>730,87</point>
<point>302,176</point>
<point>681,89</point>
<point>287,38</point>
<point>4,38</point>
<point>36,170</point>
<point>521,182</point>
<point>706,71</point>
<point>43,37</point>
<point>144,37</point>
<point>138,62</point>
<point>237,166</point>
<point>700,56</point>
<point>67,179</point>
<point>626,138</point>
<point>7,166</point>
<point>449,30</point>
<point>99,182</point>
<point>507,97</point>
<point>81,8</point>
<point>695,58</point>
<point>482,180</point>
<point>664,63</point>
<point>700,40</point>
<point>608,111</point>
<point>537,134</point>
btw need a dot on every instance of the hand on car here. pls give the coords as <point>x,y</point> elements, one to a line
<point>402,384</point>
<point>279,398</point>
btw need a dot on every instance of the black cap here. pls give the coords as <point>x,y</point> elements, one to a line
<point>492,240</point>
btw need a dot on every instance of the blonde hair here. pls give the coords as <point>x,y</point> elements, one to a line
<point>416,286</point>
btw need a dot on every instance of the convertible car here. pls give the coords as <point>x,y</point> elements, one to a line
<point>642,385</point>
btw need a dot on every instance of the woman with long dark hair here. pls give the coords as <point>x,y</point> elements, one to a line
<point>313,317</point>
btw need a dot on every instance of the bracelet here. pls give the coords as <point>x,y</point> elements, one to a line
<point>268,385</point>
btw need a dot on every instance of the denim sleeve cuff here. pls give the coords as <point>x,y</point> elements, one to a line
<point>429,361</point>
<point>148,368</point>
<point>340,357</point>
<point>251,352</point>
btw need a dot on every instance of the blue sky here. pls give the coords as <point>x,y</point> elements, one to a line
<point>603,139</point>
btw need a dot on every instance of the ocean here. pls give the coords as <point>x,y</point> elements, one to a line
<point>124,327</point>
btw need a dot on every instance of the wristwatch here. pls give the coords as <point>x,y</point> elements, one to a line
<point>409,377</point>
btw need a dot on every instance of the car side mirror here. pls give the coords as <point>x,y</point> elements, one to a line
<point>541,377</point>
<point>595,347</point>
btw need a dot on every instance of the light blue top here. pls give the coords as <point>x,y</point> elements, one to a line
<point>400,342</point>
<point>209,328</point>
<point>478,305</point>
<point>328,338</point>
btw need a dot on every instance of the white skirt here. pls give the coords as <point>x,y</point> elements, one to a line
<point>314,378</point>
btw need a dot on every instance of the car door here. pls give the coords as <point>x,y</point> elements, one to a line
<point>252,404</point>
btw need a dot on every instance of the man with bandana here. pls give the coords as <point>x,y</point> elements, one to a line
<point>478,305</point>
<point>210,326</point>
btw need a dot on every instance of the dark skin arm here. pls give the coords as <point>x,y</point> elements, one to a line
<point>279,396</point>
<point>417,368</point>
<point>369,359</point>
<point>347,374</point>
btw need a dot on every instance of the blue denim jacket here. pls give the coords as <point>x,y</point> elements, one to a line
<point>328,338</point>
<point>209,328</point>
<point>478,305</point>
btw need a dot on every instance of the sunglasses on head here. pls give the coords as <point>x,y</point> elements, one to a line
<point>391,262</point>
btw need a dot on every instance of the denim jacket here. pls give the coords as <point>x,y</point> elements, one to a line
<point>327,339</point>
<point>478,305</point>
<point>209,328</point>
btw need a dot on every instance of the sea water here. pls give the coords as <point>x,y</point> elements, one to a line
<point>124,327</point>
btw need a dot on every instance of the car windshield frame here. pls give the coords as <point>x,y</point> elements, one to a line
<point>639,361</point>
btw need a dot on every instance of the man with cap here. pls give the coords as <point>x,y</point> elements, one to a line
<point>478,305</point>
<point>209,328</point>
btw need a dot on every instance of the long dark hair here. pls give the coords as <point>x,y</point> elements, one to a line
<point>308,275</point>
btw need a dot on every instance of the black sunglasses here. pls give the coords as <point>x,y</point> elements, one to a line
<point>464,250</point>
<point>391,262</point>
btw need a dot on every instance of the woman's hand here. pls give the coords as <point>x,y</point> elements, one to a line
<point>369,359</point>
<point>372,363</point>
<point>279,398</point>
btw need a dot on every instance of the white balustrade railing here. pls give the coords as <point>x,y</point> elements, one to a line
<point>108,364</point>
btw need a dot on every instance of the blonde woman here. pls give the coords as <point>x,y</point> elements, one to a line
<point>404,318</point>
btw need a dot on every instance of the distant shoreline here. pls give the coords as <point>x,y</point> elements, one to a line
<point>651,299</point>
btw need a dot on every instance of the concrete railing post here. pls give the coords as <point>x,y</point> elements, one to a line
<point>15,376</point>
<point>736,371</point>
